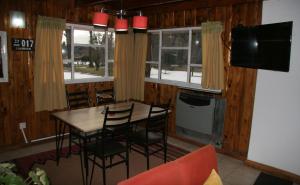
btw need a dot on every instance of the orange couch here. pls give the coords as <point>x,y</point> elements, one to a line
<point>191,169</point>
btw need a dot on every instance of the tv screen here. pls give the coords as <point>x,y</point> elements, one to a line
<point>262,47</point>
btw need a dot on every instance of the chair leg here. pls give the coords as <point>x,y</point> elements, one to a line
<point>110,160</point>
<point>147,156</point>
<point>103,171</point>
<point>70,143</point>
<point>165,151</point>
<point>92,174</point>
<point>127,163</point>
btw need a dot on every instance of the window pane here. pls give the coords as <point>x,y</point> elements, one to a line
<point>174,65</point>
<point>81,37</point>
<point>153,47</point>
<point>89,37</point>
<point>67,70</point>
<point>111,45</point>
<point>196,47</point>
<point>196,75</point>
<point>151,71</point>
<point>110,69</point>
<point>66,44</point>
<point>89,62</point>
<point>175,38</point>
<point>98,37</point>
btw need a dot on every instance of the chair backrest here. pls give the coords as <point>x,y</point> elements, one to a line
<point>158,118</point>
<point>105,96</point>
<point>117,122</point>
<point>78,99</point>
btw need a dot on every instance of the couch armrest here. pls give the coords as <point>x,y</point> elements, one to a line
<point>166,174</point>
<point>193,168</point>
<point>196,166</point>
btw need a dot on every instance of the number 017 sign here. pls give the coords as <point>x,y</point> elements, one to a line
<point>22,44</point>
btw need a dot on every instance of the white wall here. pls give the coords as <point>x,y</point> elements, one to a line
<point>275,133</point>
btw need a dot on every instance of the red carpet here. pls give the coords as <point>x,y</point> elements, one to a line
<point>24,164</point>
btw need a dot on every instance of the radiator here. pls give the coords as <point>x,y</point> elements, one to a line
<point>195,112</point>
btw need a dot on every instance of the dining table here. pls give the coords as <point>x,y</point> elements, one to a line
<point>90,120</point>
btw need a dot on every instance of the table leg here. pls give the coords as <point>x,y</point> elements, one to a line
<point>82,162</point>
<point>59,138</point>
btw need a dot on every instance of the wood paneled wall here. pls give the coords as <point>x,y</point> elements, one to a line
<point>240,82</point>
<point>16,96</point>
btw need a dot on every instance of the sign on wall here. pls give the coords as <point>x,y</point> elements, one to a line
<point>22,44</point>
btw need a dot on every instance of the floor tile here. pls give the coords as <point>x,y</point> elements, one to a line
<point>227,165</point>
<point>242,175</point>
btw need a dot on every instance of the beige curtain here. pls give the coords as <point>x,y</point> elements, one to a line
<point>49,87</point>
<point>212,56</point>
<point>137,67</point>
<point>123,56</point>
<point>129,65</point>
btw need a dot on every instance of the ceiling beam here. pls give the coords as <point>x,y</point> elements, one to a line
<point>92,2</point>
<point>155,4</point>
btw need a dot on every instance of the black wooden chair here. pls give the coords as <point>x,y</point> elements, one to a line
<point>105,96</point>
<point>113,140</point>
<point>76,100</point>
<point>154,134</point>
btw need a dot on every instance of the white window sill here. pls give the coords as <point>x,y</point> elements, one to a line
<point>167,82</point>
<point>184,85</point>
<point>89,80</point>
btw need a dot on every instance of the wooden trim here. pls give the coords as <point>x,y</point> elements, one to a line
<point>190,141</point>
<point>219,150</point>
<point>5,149</point>
<point>274,171</point>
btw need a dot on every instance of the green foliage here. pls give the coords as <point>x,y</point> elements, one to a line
<point>9,177</point>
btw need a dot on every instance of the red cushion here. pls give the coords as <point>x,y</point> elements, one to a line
<point>196,166</point>
<point>191,169</point>
<point>167,174</point>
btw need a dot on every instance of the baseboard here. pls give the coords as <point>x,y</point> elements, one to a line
<point>274,171</point>
<point>39,141</point>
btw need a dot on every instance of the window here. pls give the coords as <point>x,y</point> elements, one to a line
<point>174,56</point>
<point>88,53</point>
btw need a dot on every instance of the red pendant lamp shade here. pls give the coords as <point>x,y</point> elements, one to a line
<point>100,19</point>
<point>140,22</point>
<point>121,24</point>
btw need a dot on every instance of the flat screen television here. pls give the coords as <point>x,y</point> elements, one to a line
<point>262,47</point>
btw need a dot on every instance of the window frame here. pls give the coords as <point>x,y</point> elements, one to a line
<point>72,27</point>
<point>186,84</point>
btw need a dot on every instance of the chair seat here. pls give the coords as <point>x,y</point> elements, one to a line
<point>110,148</point>
<point>139,137</point>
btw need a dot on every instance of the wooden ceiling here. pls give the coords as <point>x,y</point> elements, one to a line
<point>136,5</point>
<point>126,4</point>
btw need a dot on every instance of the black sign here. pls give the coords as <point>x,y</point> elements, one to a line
<point>22,44</point>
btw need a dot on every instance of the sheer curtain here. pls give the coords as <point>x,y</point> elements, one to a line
<point>129,65</point>
<point>212,56</point>
<point>49,87</point>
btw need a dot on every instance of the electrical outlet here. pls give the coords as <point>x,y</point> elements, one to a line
<point>22,125</point>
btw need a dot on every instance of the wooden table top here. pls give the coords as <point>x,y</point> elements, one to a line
<point>91,119</point>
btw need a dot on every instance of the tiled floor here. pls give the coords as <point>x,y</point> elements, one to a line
<point>232,171</point>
